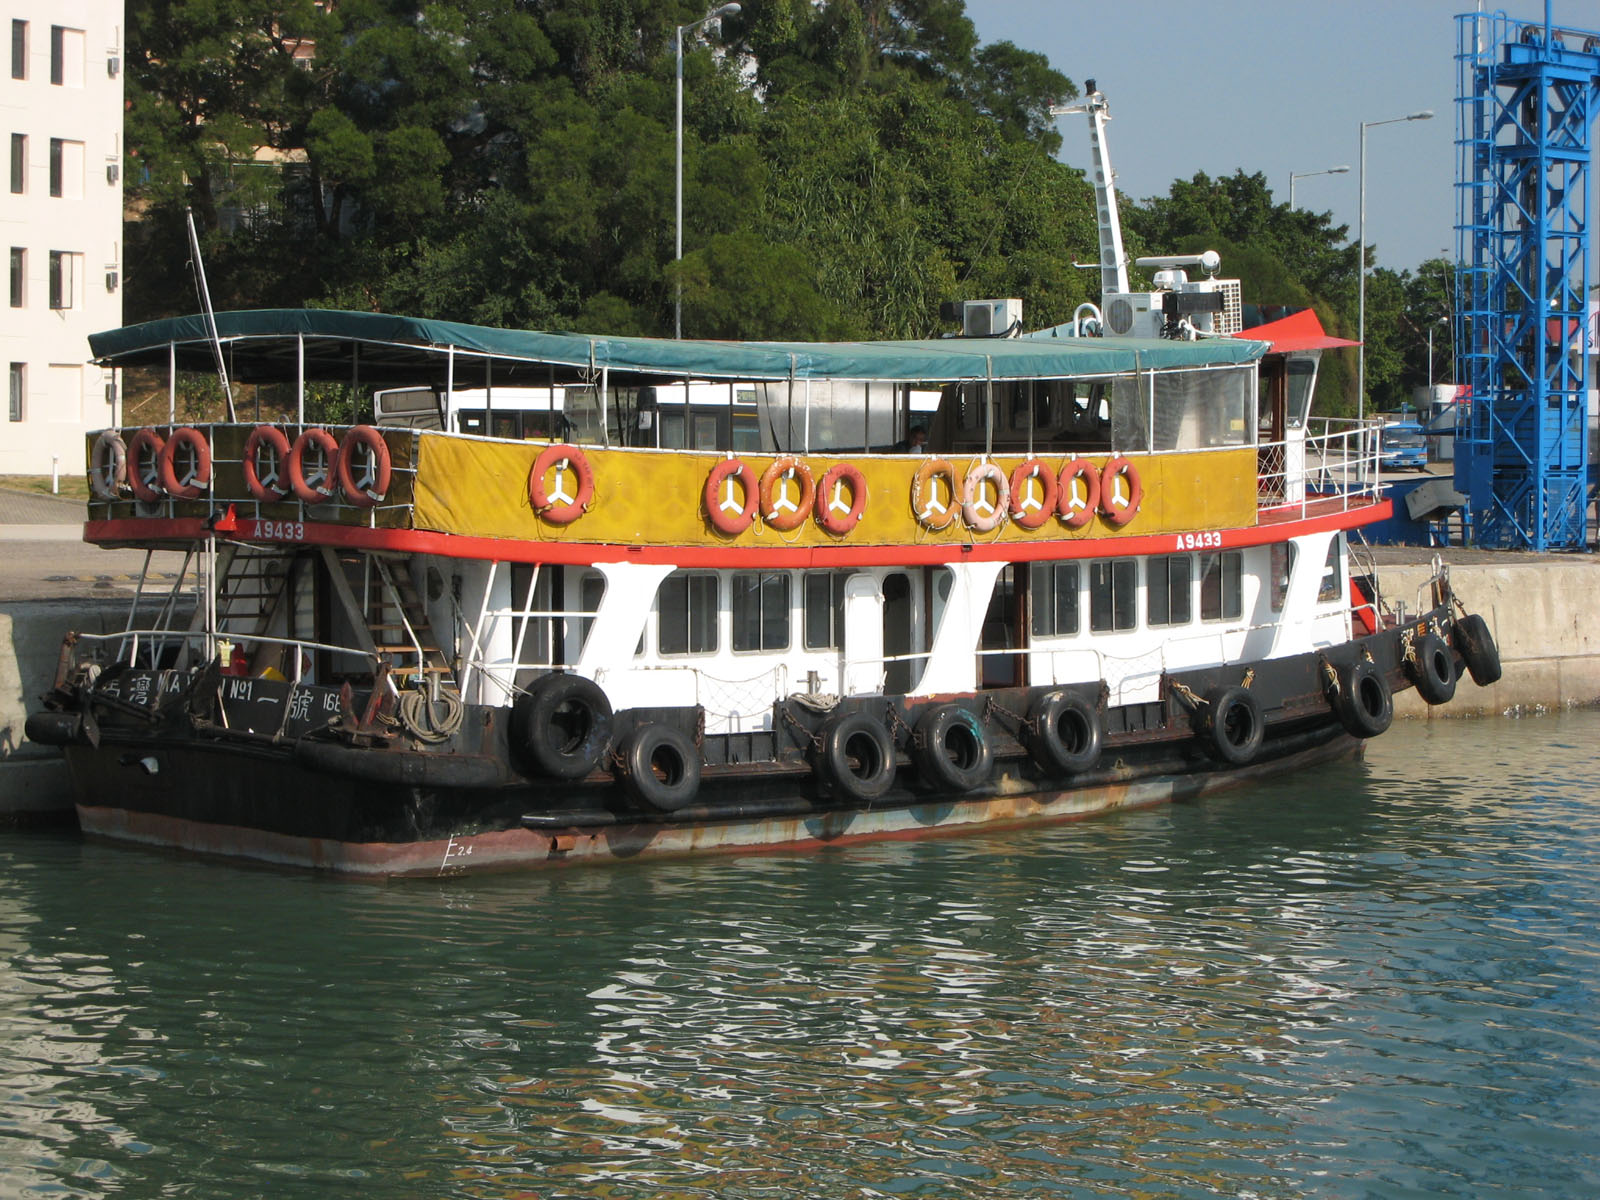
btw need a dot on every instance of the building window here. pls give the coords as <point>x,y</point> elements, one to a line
<point>761,610</point>
<point>1167,593</point>
<point>19,388</point>
<point>19,277</point>
<point>686,614</point>
<point>63,279</point>
<point>66,169</point>
<point>19,49</point>
<point>66,56</point>
<point>1113,594</point>
<point>19,163</point>
<point>1054,600</point>
<point>824,609</point>
<point>1221,596</point>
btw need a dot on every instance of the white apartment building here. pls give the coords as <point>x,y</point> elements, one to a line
<point>61,221</point>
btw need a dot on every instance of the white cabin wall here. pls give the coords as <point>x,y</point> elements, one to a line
<point>953,655</point>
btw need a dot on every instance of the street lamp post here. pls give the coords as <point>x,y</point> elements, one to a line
<point>1293,175</point>
<point>1361,261</point>
<point>726,10</point>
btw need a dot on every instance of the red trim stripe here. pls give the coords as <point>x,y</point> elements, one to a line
<point>145,530</point>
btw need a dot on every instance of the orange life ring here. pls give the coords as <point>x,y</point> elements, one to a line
<point>1120,468</point>
<point>108,465</point>
<point>726,514</point>
<point>264,479</point>
<point>976,511</point>
<point>832,514</point>
<point>373,486</point>
<point>557,507</point>
<point>1076,513</point>
<point>146,444</point>
<point>930,511</point>
<point>1042,509</point>
<point>191,443</point>
<point>317,488</point>
<point>783,513</point>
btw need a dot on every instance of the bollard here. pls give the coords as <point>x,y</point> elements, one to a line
<point>55,474</point>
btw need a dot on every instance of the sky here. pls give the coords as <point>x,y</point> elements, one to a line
<point>1276,86</point>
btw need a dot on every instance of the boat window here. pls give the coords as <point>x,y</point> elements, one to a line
<point>1283,554</point>
<point>1167,591</point>
<point>1221,591</point>
<point>591,590</point>
<point>1302,383</point>
<point>1328,589</point>
<point>1113,594</point>
<point>686,614</point>
<point>1053,599</point>
<point>824,609</point>
<point>1199,409</point>
<point>761,610</point>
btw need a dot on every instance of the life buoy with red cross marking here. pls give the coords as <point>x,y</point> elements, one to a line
<point>777,510</point>
<point>833,514</point>
<point>1027,510</point>
<point>312,486</point>
<point>184,464</point>
<point>144,465</point>
<point>932,512</point>
<point>1077,511</point>
<point>557,505</point>
<point>1118,506</point>
<point>727,513</point>
<point>976,510</point>
<point>366,485</point>
<point>266,459</point>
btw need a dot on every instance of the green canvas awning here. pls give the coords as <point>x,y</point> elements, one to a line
<point>264,345</point>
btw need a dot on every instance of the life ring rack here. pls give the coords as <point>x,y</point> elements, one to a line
<point>557,507</point>
<point>831,514</point>
<point>777,510</point>
<point>929,510</point>
<point>725,515</point>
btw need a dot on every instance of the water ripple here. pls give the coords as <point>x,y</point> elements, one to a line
<point>1378,980</point>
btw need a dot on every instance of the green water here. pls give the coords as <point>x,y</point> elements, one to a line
<point>1379,979</point>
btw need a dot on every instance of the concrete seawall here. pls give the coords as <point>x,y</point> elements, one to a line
<point>33,779</point>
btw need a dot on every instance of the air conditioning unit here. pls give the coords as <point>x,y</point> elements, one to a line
<point>991,318</point>
<point>113,65</point>
<point>113,172</point>
<point>111,281</point>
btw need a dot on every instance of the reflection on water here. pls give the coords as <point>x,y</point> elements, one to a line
<point>1375,980</point>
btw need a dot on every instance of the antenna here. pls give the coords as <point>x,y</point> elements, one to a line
<point>211,317</point>
<point>1113,260</point>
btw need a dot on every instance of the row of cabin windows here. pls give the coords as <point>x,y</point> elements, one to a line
<point>760,607</point>
<point>1113,602</point>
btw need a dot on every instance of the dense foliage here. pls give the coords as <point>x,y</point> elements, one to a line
<point>848,165</point>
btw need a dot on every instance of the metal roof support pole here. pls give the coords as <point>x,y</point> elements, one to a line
<point>550,404</point>
<point>1032,384</point>
<point>866,416</point>
<point>172,383</point>
<point>806,439</point>
<point>988,406</point>
<point>447,418</point>
<point>488,397</point>
<point>788,429</point>
<point>605,390</point>
<point>300,379</point>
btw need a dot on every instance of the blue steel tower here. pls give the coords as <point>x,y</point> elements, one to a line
<point>1526,99</point>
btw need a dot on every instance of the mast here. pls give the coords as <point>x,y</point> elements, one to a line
<point>1113,261</point>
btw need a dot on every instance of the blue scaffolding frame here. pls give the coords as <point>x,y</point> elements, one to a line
<point>1526,97</point>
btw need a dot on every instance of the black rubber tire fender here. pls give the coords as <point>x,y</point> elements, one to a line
<point>1365,703</point>
<point>1066,734</point>
<point>1231,725</point>
<point>661,767</point>
<point>856,758</point>
<point>952,749</point>
<point>1433,669</point>
<point>562,725</point>
<point>1473,641</point>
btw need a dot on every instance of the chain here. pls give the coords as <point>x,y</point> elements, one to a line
<point>898,729</point>
<point>805,734</point>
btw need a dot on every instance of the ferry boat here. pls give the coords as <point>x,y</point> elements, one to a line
<point>571,598</point>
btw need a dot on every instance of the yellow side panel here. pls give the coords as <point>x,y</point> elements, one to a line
<point>654,497</point>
